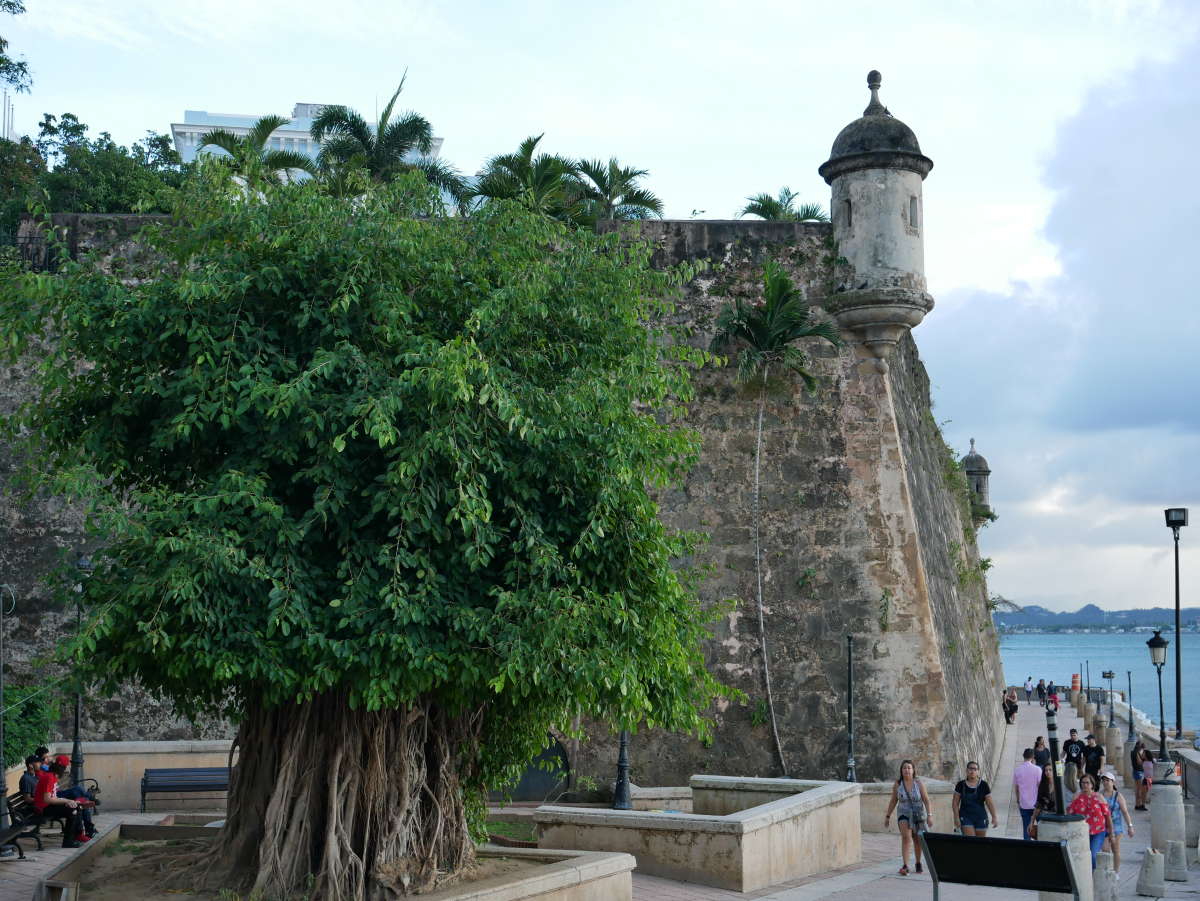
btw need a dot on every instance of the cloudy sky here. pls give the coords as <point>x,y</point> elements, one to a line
<point>1061,211</point>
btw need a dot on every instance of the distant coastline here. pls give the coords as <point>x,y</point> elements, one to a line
<point>1032,619</point>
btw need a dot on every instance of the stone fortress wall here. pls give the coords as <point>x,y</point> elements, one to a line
<point>866,518</point>
<point>866,531</point>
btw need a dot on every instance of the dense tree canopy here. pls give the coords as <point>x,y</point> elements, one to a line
<point>348,460</point>
<point>13,71</point>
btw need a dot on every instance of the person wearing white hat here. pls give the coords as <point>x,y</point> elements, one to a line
<point>1120,816</point>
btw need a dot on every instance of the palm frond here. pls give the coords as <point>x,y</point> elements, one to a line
<point>284,160</point>
<point>339,150</point>
<point>811,212</point>
<point>224,139</point>
<point>410,132</point>
<point>642,199</point>
<point>336,122</point>
<point>386,116</point>
<point>764,206</point>
<point>260,131</point>
<point>443,176</point>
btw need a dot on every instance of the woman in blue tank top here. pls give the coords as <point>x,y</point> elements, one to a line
<point>1120,817</point>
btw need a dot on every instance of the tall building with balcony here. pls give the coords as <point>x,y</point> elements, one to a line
<point>296,135</point>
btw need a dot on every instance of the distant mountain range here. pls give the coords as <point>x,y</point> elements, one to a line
<point>1035,617</point>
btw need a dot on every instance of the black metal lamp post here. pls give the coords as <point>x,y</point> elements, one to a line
<point>1129,701</point>
<point>621,798</point>
<point>1112,716</point>
<point>1052,735</point>
<point>85,567</point>
<point>3,613</point>
<point>1158,656</point>
<point>1176,519</point>
<point>850,774</point>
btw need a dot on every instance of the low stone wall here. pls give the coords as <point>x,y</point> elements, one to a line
<point>118,767</point>
<point>813,828</point>
<point>876,796</point>
<point>671,797</point>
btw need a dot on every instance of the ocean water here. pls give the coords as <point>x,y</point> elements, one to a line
<point>1057,655</point>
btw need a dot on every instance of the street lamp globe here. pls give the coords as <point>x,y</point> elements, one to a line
<point>1176,517</point>
<point>1158,648</point>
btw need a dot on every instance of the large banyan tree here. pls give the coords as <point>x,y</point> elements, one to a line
<point>376,485</point>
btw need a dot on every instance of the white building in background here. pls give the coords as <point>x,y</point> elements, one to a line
<point>296,135</point>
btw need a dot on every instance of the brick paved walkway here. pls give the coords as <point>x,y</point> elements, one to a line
<point>19,879</point>
<point>877,876</point>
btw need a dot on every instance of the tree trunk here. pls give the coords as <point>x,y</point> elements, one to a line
<point>347,805</point>
<point>758,571</point>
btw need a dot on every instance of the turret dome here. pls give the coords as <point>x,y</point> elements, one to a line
<point>974,462</point>
<point>876,140</point>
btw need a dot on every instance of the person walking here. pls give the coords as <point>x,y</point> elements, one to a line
<point>911,804</point>
<point>1093,759</point>
<point>1073,761</point>
<point>1094,809</point>
<point>1010,706</point>
<point>1027,776</point>
<point>1041,754</point>
<point>1029,690</point>
<point>973,802</point>
<point>1041,692</point>
<point>1143,771</point>
<point>1046,801</point>
<point>1121,820</point>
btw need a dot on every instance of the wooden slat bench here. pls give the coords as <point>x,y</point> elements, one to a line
<point>25,822</point>
<point>184,780</point>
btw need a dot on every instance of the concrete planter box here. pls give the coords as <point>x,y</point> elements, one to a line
<point>876,796</point>
<point>744,834</point>
<point>565,876</point>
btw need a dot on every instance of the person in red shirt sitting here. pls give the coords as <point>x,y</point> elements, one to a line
<point>53,807</point>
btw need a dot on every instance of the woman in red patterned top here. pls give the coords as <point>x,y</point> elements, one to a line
<point>1095,809</point>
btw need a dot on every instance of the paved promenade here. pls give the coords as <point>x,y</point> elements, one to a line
<point>19,878</point>
<point>877,876</point>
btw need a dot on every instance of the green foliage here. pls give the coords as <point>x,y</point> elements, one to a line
<point>885,609</point>
<point>399,143</point>
<point>29,715</point>
<point>764,333</point>
<point>13,71</point>
<point>249,157</point>
<point>21,170</point>
<point>782,208</point>
<point>100,176</point>
<point>341,445</point>
<point>760,715</point>
<point>545,183</point>
<point>611,191</point>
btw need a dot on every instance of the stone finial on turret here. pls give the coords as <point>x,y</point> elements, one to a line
<point>876,170</point>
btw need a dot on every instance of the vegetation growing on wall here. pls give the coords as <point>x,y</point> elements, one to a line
<point>763,336</point>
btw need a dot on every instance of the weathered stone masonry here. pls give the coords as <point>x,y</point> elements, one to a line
<point>866,528</point>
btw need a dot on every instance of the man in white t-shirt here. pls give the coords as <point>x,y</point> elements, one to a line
<point>1029,690</point>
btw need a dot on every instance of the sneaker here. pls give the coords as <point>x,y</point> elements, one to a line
<point>83,837</point>
<point>919,869</point>
<point>903,869</point>
<point>70,844</point>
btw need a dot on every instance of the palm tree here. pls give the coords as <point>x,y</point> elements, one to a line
<point>611,191</point>
<point>765,335</point>
<point>546,183</point>
<point>250,156</point>
<point>782,209</point>
<point>393,146</point>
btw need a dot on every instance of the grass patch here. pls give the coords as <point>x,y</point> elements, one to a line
<point>521,832</point>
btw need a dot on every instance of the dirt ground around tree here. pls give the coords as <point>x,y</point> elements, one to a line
<point>135,871</point>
